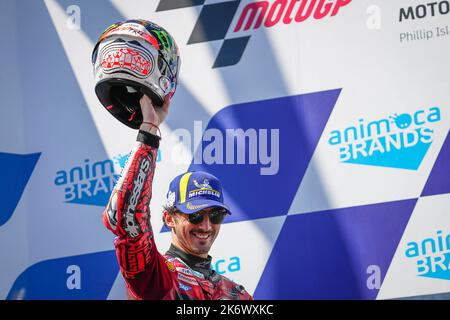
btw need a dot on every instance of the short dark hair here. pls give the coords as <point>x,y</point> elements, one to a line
<point>170,210</point>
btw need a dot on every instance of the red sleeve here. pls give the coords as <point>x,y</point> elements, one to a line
<point>127,215</point>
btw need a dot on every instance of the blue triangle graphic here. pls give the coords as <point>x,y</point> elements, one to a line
<point>83,277</point>
<point>14,176</point>
<point>300,120</point>
<point>326,255</point>
<point>439,178</point>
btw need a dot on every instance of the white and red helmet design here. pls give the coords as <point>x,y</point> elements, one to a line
<point>132,58</point>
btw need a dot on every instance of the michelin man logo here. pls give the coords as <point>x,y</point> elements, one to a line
<point>204,185</point>
<point>170,199</point>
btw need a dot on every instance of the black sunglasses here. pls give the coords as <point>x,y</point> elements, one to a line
<point>216,216</point>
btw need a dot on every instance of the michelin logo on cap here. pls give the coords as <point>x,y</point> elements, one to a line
<point>195,193</point>
<point>195,190</point>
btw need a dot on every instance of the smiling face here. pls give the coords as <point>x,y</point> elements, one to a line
<point>195,239</point>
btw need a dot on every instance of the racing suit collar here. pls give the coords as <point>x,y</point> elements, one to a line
<point>202,265</point>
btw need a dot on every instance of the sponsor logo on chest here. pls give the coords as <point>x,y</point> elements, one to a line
<point>187,279</point>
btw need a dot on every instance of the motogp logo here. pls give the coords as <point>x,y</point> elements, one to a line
<point>215,21</point>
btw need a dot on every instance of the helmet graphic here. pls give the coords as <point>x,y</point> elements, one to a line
<point>132,58</point>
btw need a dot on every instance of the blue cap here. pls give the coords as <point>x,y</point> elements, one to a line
<point>194,191</point>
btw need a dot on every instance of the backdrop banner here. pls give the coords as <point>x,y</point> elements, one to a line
<point>327,122</point>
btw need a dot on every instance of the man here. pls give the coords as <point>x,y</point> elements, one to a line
<point>194,212</point>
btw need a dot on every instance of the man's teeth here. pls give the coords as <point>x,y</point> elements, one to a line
<point>201,235</point>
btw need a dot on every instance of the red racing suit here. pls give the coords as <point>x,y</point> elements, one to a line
<point>147,273</point>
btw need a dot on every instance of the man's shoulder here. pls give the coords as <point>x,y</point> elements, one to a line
<point>180,266</point>
<point>173,261</point>
<point>236,289</point>
<point>239,288</point>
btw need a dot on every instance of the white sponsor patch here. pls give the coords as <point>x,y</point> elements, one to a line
<point>131,226</point>
<point>170,201</point>
<point>187,279</point>
<point>190,272</point>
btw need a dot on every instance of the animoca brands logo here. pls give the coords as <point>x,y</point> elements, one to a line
<point>215,20</point>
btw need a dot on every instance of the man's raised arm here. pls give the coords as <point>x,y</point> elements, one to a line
<point>127,214</point>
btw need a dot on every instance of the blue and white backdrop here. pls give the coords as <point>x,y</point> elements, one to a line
<point>327,122</point>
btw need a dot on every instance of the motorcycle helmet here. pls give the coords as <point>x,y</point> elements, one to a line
<point>132,58</point>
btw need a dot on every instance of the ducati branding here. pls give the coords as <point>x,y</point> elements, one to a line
<point>396,141</point>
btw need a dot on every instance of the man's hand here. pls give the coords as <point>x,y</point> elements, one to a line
<point>153,115</point>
